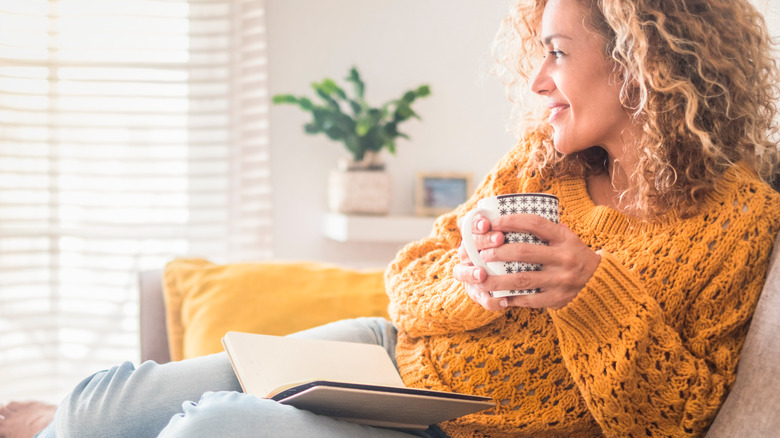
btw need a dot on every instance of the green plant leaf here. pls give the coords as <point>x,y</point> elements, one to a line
<point>362,127</point>
<point>366,128</point>
<point>357,108</point>
<point>391,130</point>
<point>409,97</point>
<point>423,91</point>
<point>353,145</point>
<point>305,104</point>
<point>330,88</point>
<point>354,77</point>
<point>372,140</point>
<point>326,86</point>
<point>328,100</point>
<point>403,112</point>
<point>284,98</point>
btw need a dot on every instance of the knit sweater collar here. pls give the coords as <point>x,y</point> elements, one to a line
<point>575,198</point>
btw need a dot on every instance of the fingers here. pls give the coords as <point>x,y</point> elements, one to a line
<point>548,297</point>
<point>545,299</point>
<point>463,255</point>
<point>524,252</point>
<point>556,288</point>
<point>540,227</point>
<point>484,236</point>
<point>480,224</point>
<point>518,281</point>
<point>478,285</point>
<point>484,299</point>
<point>468,273</point>
<point>481,294</point>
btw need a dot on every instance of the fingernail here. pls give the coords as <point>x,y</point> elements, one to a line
<point>475,273</point>
<point>481,225</point>
<point>494,238</point>
<point>503,303</point>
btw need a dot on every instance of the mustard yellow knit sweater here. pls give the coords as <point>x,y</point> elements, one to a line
<point>648,348</point>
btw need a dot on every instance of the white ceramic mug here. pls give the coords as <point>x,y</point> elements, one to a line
<point>492,208</point>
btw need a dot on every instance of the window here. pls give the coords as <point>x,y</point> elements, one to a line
<point>131,132</point>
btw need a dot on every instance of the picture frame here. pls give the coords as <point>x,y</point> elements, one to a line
<point>437,193</point>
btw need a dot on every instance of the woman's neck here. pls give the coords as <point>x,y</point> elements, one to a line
<point>602,192</point>
<point>606,188</point>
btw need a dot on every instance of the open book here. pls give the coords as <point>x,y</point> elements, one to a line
<point>349,381</point>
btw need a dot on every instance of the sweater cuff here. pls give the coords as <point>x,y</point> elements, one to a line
<point>604,308</point>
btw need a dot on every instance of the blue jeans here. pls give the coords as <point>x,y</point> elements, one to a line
<point>201,398</point>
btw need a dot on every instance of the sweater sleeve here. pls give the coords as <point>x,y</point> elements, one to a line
<point>642,375</point>
<point>425,298</point>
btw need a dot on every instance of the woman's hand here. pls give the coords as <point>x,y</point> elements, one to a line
<point>567,263</point>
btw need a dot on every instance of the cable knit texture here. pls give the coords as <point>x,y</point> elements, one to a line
<point>648,348</point>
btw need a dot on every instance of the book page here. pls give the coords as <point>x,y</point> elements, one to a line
<point>265,363</point>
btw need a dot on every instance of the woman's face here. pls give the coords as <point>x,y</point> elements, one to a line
<point>579,83</point>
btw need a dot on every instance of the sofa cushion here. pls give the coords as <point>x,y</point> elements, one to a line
<point>204,300</point>
<point>750,410</point>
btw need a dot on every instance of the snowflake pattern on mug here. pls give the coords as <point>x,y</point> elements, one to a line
<point>545,206</point>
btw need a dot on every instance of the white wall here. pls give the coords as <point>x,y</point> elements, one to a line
<point>397,45</point>
<point>771,11</point>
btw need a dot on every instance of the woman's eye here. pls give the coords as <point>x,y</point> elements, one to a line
<point>555,53</point>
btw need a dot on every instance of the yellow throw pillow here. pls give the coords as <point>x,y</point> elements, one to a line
<point>204,300</point>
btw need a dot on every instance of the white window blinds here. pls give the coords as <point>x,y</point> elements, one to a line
<point>131,132</point>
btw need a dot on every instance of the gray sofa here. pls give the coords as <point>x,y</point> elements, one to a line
<point>752,409</point>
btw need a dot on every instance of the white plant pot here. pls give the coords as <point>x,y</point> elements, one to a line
<point>359,192</point>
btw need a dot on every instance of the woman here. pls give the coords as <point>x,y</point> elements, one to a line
<point>656,141</point>
<point>655,134</point>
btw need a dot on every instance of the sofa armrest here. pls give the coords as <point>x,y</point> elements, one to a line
<point>750,410</point>
<point>154,334</point>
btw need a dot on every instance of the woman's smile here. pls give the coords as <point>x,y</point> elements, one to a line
<point>555,110</point>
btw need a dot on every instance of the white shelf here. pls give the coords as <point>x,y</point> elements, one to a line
<point>387,229</point>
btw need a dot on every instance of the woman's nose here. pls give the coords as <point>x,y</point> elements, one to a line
<point>542,82</point>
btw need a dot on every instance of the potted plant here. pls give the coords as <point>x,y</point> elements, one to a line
<point>359,185</point>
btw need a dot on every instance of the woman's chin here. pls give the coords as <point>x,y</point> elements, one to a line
<point>561,146</point>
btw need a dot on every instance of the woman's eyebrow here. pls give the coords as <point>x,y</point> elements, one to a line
<point>549,38</point>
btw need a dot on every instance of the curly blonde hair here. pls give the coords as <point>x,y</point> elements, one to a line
<point>699,76</point>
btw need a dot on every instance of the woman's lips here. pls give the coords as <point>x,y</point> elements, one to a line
<point>556,110</point>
